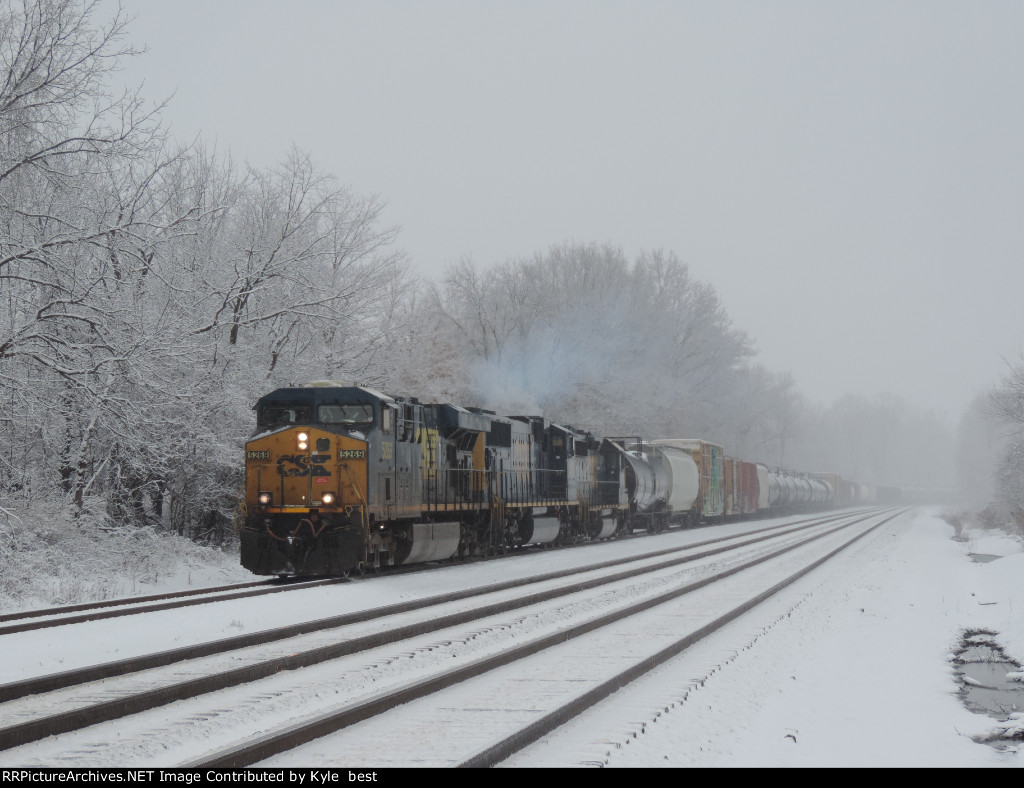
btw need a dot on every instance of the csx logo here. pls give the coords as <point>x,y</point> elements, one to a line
<point>300,465</point>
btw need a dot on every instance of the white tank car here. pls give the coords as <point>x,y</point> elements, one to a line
<point>660,478</point>
<point>683,477</point>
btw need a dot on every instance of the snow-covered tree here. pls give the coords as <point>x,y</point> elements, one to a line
<point>582,334</point>
<point>77,203</point>
<point>151,293</point>
<point>998,420</point>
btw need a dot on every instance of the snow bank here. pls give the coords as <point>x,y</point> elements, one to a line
<point>46,561</point>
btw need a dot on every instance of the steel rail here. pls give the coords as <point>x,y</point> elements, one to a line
<point>217,593</point>
<point>259,748</point>
<point>32,730</point>
<point>176,603</point>
<point>69,678</point>
<point>512,744</point>
<point>129,600</point>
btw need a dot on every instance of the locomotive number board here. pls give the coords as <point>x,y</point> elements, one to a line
<point>351,454</point>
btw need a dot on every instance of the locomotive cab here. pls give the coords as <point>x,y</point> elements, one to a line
<point>312,451</point>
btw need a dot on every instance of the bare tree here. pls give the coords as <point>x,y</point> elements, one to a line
<point>1006,401</point>
<point>299,263</point>
<point>1003,406</point>
<point>77,167</point>
<point>580,333</point>
<point>151,292</point>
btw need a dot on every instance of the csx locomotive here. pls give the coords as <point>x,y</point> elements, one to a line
<point>345,478</point>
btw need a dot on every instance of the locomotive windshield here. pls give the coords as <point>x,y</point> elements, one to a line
<point>346,414</point>
<point>278,415</point>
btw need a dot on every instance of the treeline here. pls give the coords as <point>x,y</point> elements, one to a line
<point>990,451</point>
<point>587,337</point>
<point>151,292</point>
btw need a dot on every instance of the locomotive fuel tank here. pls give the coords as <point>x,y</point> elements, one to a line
<point>432,542</point>
<point>539,528</point>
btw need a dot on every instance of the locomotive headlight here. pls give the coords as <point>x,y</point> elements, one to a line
<point>303,437</point>
<point>303,441</point>
<point>327,498</point>
<point>265,498</point>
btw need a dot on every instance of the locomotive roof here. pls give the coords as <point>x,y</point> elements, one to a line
<point>324,395</point>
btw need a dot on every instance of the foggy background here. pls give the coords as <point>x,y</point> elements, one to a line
<point>846,175</point>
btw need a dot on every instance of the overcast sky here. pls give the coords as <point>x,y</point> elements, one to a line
<point>848,175</point>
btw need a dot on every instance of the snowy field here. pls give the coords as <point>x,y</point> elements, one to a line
<point>853,668</point>
<point>45,562</point>
<point>850,666</point>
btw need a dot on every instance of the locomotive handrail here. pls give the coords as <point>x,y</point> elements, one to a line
<point>359,494</point>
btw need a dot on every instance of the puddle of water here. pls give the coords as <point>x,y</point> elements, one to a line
<point>982,558</point>
<point>983,667</point>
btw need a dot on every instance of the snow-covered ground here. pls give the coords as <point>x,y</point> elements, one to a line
<point>46,561</point>
<point>849,666</point>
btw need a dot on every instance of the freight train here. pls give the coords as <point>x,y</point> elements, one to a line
<point>343,479</point>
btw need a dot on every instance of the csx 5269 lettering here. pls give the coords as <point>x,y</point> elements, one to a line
<point>351,454</point>
<point>301,465</point>
<point>257,455</point>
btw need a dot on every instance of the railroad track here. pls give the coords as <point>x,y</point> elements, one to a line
<point>82,698</point>
<point>44,618</point>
